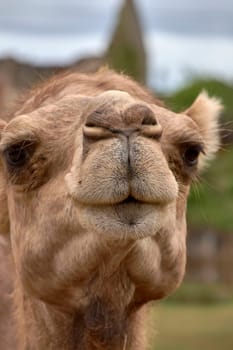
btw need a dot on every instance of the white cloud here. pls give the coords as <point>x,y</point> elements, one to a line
<point>60,31</point>
<point>50,50</point>
<point>211,5</point>
<point>173,59</point>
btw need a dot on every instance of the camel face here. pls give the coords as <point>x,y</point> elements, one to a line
<point>120,180</point>
<point>82,173</point>
<point>114,166</point>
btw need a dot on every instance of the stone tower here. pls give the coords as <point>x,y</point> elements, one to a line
<point>126,51</point>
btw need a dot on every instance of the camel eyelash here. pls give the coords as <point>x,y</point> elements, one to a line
<point>17,154</point>
<point>190,153</point>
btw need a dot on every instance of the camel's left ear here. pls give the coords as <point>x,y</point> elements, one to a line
<point>205,111</point>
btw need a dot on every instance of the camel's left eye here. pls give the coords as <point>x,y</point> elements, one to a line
<point>18,154</point>
<point>191,153</point>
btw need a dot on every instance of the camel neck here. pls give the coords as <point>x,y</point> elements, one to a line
<point>95,327</point>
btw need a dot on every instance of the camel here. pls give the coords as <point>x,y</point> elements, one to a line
<point>94,178</point>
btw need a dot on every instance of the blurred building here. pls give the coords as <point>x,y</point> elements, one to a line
<point>125,53</point>
<point>210,257</point>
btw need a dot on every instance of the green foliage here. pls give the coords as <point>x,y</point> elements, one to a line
<point>203,294</point>
<point>184,98</point>
<point>211,199</point>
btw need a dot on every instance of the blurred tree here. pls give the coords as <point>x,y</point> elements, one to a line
<point>210,207</point>
<point>216,186</point>
<point>183,98</point>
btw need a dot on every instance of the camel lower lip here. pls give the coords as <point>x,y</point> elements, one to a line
<point>131,212</point>
<point>126,219</point>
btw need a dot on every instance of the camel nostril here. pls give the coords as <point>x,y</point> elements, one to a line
<point>95,119</point>
<point>94,132</point>
<point>91,125</point>
<point>149,120</point>
<point>152,131</point>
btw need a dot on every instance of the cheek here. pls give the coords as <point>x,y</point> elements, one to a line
<point>40,230</point>
<point>181,204</point>
<point>41,219</point>
<point>4,219</point>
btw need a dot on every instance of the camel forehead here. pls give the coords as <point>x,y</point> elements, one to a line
<point>114,96</point>
<point>111,99</point>
<point>114,103</point>
<point>76,108</point>
<point>73,109</point>
<point>119,101</point>
<point>71,104</point>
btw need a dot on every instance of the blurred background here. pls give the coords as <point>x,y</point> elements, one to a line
<point>178,48</point>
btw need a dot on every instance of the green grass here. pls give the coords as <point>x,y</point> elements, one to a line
<point>193,327</point>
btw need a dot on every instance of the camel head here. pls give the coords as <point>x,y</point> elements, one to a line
<point>89,176</point>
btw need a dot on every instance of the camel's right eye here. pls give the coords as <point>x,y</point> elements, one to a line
<point>18,154</point>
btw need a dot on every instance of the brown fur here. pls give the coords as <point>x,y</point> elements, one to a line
<point>96,213</point>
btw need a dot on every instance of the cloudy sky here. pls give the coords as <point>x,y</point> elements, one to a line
<point>184,38</point>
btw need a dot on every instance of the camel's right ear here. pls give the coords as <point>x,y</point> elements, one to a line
<point>205,111</point>
<point>4,219</point>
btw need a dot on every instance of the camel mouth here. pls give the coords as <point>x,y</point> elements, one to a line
<point>130,200</point>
